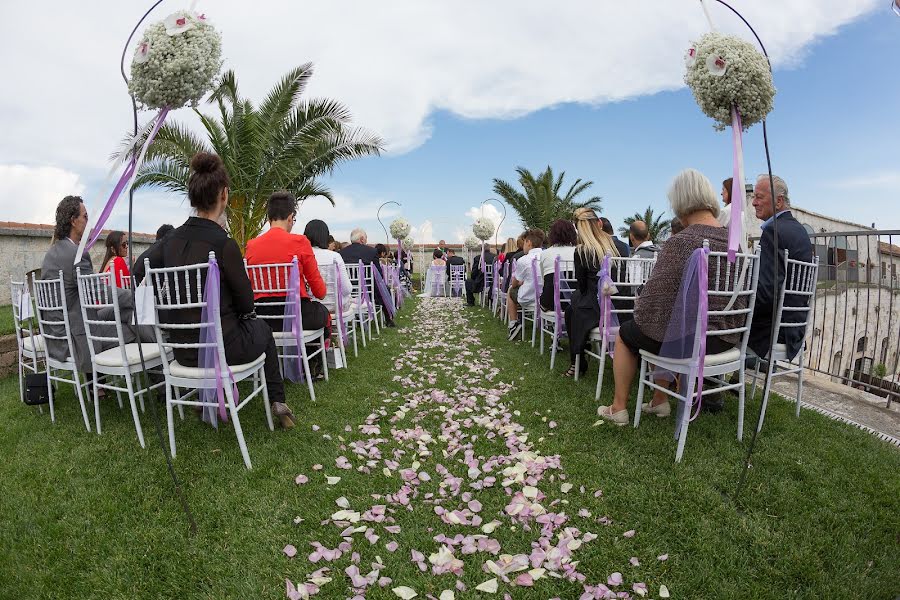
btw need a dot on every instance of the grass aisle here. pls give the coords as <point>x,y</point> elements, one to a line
<point>449,428</point>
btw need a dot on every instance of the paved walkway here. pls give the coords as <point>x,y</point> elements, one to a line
<point>841,402</point>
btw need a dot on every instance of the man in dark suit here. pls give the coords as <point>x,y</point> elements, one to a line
<point>791,237</point>
<point>357,251</point>
<point>622,247</point>
<point>476,283</point>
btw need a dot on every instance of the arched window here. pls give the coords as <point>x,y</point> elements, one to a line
<point>861,344</point>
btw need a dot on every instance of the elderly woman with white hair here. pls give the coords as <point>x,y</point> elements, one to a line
<point>694,202</point>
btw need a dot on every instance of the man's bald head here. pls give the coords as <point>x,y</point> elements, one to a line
<point>638,233</point>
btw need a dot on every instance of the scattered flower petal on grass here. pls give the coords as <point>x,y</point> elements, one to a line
<point>404,592</point>
<point>663,592</point>
<point>488,587</point>
<point>290,551</point>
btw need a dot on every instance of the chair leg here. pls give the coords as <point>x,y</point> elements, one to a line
<point>170,419</point>
<point>323,356</point>
<point>755,378</point>
<point>799,386</point>
<point>305,360</point>
<point>640,393</point>
<point>96,392</point>
<point>80,392</point>
<point>50,386</point>
<point>266,403</point>
<point>601,369</point>
<point>686,415</point>
<point>21,381</point>
<point>134,411</point>
<point>742,403</point>
<point>236,422</point>
<point>554,340</point>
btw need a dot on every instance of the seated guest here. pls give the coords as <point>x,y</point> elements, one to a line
<point>245,336</point>
<point>621,246</point>
<point>71,223</point>
<point>475,283</point>
<point>161,233</point>
<point>676,226</point>
<point>114,261</point>
<point>583,312</point>
<point>562,238</point>
<point>508,248</point>
<point>279,245</point>
<point>317,233</point>
<point>453,260</point>
<point>511,258</point>
<point>793,238</point>
<point>357,251</point>
<point>381,252</point>
<point>437,258</point>
<point>725,213</point>
<point>332,244</point>
<point>521,286</point>
<point>642,247</point>
<point>693,200</point>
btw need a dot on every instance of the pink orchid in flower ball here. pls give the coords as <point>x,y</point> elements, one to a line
<point>142,53</point>
<point>178,23</point>
<point>716,65</point>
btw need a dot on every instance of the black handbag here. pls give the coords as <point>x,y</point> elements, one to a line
<point>36,390</point>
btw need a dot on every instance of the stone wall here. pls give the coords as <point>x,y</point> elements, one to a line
<point>23,245</point>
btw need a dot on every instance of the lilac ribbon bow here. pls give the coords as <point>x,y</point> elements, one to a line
<point>339,301</point>
<point>292,326</point>
<point>208,354</point>
<point>609,321</point>
<point>386,299</point>
<point>364,291</point>
<point>688,324</point>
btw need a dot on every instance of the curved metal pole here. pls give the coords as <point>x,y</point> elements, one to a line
<point>387,238</point>
<point>497,230</point>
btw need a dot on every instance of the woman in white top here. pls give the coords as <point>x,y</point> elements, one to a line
<point>435,276</point>
<point>562,238</point>
<point>317,233</point>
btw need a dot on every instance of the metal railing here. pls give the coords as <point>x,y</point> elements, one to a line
<point>854,335</point>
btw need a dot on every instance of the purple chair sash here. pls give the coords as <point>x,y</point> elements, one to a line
<point>437,273</point>
<point>292,327</point>
<point>364,291</point>
<point>557,300</point>
<point>383,291</point>
<point>687,326</point>
<point>609,322</point>
<point>339,301</point>
<point>208,354</point>
<point>538,283</point>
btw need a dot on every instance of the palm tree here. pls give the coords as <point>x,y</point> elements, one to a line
<point>540,203</point>
<point>285,144</point>
<point>658,227</point>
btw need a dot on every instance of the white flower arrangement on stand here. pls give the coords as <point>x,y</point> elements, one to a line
<point>408,243</point>
<point>400,228</point>
<point>176,62</point>
<point>725,71</point>
<point>483,228</point>
<point>472,243</point>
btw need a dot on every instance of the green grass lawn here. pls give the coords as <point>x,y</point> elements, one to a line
<point>7,326</point>
<point>87,516</point>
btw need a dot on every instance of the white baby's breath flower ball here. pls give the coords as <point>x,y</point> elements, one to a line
<point>177,61</point>
<point>483,228</point>
<point>473,243</point>
<point>399,228</point>
<point>725,71</point>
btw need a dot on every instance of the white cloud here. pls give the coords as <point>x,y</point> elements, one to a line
<point>490,211</point>
<point>882,180</point>
<point>30,194</point>
<point>392,65</point>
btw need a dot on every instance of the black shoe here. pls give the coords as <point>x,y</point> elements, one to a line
<point>514,330</point>
<point>390,324</point>
<point>713,403</point>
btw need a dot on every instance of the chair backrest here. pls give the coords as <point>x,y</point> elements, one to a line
<point>369,279</point>
<point>457,277</point>
<point>730,282</point>
<point>177,289</point>
<point>438,279</point>
<point>52,313</point>
<point>353,271</point>
<point>488,274</point>
<point>629,274</point>
<point>96,293</point>
<point>330,275</point>
<point>800,284</point>
<point>273,279</point>
<point>564,284</point>
<point>23,328</point>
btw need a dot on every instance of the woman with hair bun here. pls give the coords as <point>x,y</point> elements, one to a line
<point>245,337</point>
<point>114,260</point>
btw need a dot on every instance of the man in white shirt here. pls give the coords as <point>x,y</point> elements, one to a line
<point>521,288</point>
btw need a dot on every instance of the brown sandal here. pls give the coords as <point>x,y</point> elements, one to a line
<point>284,414</point>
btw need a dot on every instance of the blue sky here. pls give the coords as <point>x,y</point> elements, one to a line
<point>464,92</point>
<point>834,136</point>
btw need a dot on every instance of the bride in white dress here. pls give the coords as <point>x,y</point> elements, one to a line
<point>435,277</point>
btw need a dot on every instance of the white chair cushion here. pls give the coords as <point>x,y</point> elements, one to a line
<point>113,356</point>
<point>712,360</point>
<point>308,335</point>
<point>179,370</point>
<point>779,352</point>
<point>33,342</point>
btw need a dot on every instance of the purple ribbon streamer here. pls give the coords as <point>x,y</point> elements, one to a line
<point>386,300</point>
<point>609,322</point>
<point>736,224</point>
<point>208,356</point>
<point>557,301</point>
<point>123,180</point>
<point>688,324</point>
<point>339,301</point>
<point>538,283</point>
<point>364,291</point>
<point>292,325</point>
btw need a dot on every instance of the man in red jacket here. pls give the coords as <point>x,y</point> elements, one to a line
<point>279,245</point>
